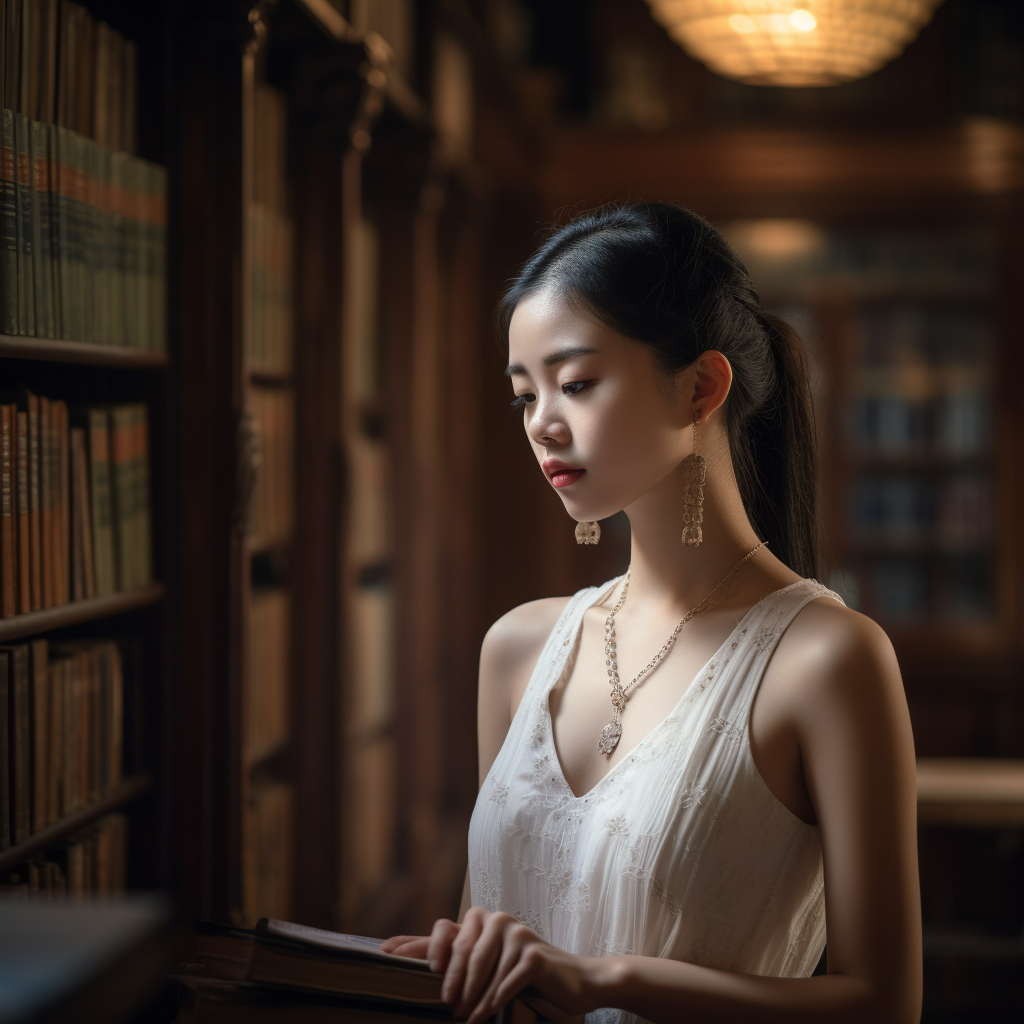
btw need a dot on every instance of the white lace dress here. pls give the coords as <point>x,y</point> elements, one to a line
<point>681,850</point>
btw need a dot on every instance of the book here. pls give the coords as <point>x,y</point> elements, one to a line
<point>101,505</point>
<point>40,719</point>
<point>9,234</point>
<point>23,512</point>
<point>8,519</point>
<point>281,955</point>
<point>19,740</point>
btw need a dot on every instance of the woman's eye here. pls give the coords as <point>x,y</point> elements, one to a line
<point>520,400</point>
<point>574,387</point>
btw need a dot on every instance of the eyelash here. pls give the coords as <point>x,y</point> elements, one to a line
<point>520,400</point>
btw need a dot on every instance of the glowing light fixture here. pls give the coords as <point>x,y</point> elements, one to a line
<point>794,42</point>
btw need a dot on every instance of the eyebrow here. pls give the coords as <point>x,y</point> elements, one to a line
<point>556,357</point>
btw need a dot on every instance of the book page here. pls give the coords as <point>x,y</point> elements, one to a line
<point>334,940</point>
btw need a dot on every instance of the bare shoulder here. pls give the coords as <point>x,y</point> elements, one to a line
<point>507,658</point>
<point>834,654</point>
<point>514,642</point>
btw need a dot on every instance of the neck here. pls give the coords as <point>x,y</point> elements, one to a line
<point>665,573</point>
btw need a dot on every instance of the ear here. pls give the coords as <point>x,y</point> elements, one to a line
<point>712,384</point>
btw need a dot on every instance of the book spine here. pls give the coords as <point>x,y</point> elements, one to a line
<point>54,207</point>
<point>24,514</point>
<point>23,199</point>
<point>84,509</point>
<point>8,562</point>
<point>55,770</point>
<point>5,757</point>
<point>121,491</point>
<point>65,190</point>
<point>40,733</point>
<point>101,510</point>
<point>8,227</point>
<point>77,526</point>
<point>46,501</point>
<point>145,527</point>
<point>20,734</point>
<point>35,511</point>
<point>118,240</point>
<point>64,490</point>
<point>42,269</point>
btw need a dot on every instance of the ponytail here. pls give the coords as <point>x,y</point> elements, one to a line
<point>776,458</point>
<point>662,275</point>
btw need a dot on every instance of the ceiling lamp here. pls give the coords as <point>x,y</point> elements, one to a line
<point>794,42</point>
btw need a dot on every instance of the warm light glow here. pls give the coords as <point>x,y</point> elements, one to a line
<point>803,21</point>
<point>794,42</point>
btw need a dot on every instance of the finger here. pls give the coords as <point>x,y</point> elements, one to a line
<point>439,946</point>
<point>512,951</point>
<point>524,973</point>
<point>498,945</point>
<point>462,949</point>
<point>389,945</point>
<point>415,947</point>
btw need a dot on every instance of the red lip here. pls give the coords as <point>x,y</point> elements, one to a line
<point>561,474</point>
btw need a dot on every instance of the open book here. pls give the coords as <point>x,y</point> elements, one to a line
<point>283,955</point>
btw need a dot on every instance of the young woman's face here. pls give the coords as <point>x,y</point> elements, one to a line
<point>604,425</point>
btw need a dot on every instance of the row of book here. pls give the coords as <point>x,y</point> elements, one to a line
<point>939,334</point>
<point>61,731</point>
<point>82,238</point>
<point>265,699</point>
<point>61,66</point>
<point>953,511</point>
<point>910,589</point>
<point>75,514</point>
<point>271,239</point>
<point>92,862</point>
<point>273,511</point>
<point>949,426</point>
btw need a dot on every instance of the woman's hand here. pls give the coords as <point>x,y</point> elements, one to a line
<point>491,957</point>
<point>407,945</point>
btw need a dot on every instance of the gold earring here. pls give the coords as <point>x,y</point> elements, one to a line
<point>588,532</point>
<point>694,472</point>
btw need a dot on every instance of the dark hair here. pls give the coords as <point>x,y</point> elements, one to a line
<point>662,275</point>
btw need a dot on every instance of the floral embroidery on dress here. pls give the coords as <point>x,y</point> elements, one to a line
<point>486,890</point>
<point>539,733</point>
<point>541,768</point>
<point>723,727</point>
<point>617,826</point>
<point>691,794</point>
<point>765,639</point>
<point>499,793</point>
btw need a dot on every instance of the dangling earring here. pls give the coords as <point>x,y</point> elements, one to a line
<point>588,532</point>
<point>694,472</point>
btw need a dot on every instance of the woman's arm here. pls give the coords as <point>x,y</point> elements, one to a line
<point>847,709</point>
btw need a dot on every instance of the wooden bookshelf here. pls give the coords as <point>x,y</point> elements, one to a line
<point>18,347</point>
<point>31,623</point>
<point>129,790</point>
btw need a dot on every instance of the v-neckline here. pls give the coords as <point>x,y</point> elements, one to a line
<point>569,647</point>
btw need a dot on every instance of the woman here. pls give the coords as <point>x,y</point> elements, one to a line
<point>682,769</point>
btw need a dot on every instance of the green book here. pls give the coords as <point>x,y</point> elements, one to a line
<point>118,239</point>
<point>101,505</point>
<point>23,198</point>
<point>92,242</point>
<point>42,270</point>
<point>8,227</point>
<point>54,211</point>
<point>66,223</point>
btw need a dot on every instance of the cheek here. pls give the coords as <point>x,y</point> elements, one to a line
<point>632,442</point>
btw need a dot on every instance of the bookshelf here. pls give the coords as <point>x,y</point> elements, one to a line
<point>83,357</point>
<point>312,272</point>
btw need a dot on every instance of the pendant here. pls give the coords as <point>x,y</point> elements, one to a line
<point>609,740</point>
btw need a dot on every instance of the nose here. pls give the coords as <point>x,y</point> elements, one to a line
<point>547,426</point>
